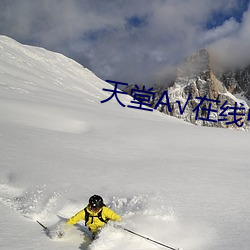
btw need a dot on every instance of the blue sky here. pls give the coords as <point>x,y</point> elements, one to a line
<point>135,41</point>
<point>218,17</point>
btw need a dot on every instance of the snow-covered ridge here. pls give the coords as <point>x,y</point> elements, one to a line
<point>26,69</point>
<point>33,74</point>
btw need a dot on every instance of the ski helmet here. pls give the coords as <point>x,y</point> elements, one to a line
<point>95,202</point>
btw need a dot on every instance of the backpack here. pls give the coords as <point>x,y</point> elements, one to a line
<point>88,216</point>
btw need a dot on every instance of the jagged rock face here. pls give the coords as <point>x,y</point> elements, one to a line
<point>195,79</point>
<point>130,87</point>
<point>237,81</point>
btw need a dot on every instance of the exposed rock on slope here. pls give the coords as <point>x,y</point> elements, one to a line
<point>196,80</point>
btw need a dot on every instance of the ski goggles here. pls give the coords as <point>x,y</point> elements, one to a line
<point>94,208</point>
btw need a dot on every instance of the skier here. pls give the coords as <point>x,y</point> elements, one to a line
<point>95,214</point>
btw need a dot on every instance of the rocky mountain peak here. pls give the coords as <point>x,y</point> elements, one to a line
<point>204,96</point>
<point>237,81</point>
<point>196,80</point>
<point>197,64</point>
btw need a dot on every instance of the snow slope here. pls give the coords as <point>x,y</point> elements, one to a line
<point>182,185</point>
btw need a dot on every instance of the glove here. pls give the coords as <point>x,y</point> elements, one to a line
<point>60,234</point>
<point>62,229</point>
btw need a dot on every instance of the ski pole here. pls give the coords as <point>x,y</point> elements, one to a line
<point>45,228</point>
<point>146,238</point>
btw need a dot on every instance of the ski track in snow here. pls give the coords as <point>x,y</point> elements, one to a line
<point>145,214</point>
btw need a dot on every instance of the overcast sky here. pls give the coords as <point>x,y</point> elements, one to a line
<point>134,41</point>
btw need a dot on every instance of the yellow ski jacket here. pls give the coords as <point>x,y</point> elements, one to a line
<point>94,223</point>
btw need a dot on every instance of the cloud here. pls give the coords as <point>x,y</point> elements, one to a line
<point>132,41</point>
<point>228,28</point>
<point>233,49</point>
